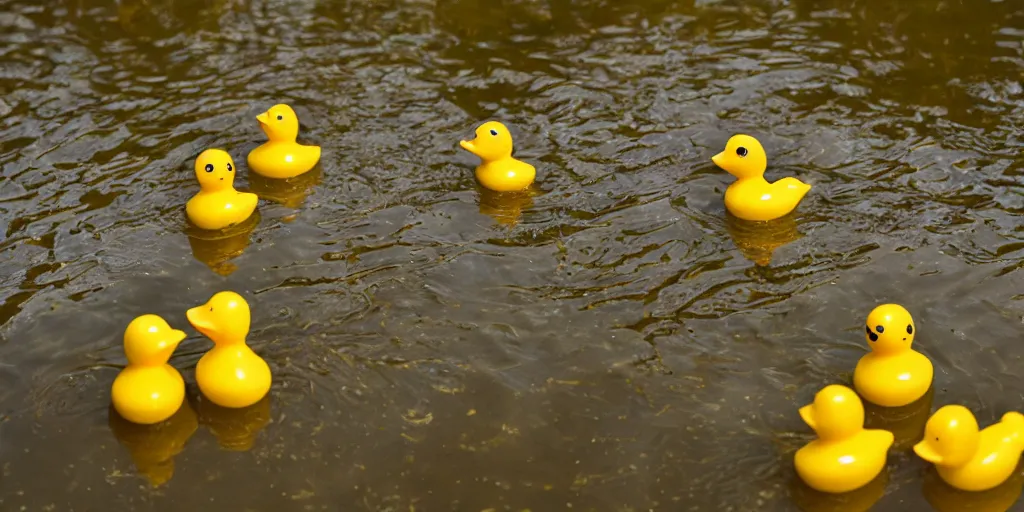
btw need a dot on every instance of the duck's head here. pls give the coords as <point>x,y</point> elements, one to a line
<point>950,437</point>
<point>224,318</point>
<point>280,123</point>
<point>743,157</point>
<point>493,142</point>
<point>149,341</point>
<point>837,413</point>
<point>889,329</point>
<point>215,170</point>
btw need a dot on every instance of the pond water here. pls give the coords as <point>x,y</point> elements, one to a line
<point>611,341</point>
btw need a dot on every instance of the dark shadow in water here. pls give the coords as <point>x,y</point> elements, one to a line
<point>235,429</point>
<point>153,447</point>
<point>506,207</point>
<point>906,423</point>
<point>946,498</point>
<point>860,500</point>
<point>217,248</point>
<point>291,192</point>
<point>757,241</point>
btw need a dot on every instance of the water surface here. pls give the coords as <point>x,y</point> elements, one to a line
<point>612,341</point>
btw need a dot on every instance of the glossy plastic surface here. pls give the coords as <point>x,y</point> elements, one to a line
<point>231,374</point>
<point>845,456</point>
<point>148,390</point>
<point>969,459</point>
<point>751,197</point>
<point>892,374</point>
<point>218,205</point>
<point>281,156</point>
<point>498,171</point>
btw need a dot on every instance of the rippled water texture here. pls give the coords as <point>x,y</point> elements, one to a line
<point>606,342</point>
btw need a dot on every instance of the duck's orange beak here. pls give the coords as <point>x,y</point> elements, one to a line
<point>717,159</point>
<point>200,319</point>
<point>927,452</point>
<point>263,118</point>
<point>174,338</point>
<point>468,146</point>
<point>807,414</point>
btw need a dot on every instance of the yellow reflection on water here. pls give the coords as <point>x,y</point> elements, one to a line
<point>945,498</point>
<point>291,192</point>
<point>153,447</point>
<point>217,248</point>
<point>757,241</point>
<point>859,500</point>
<point>505,207</point>
<point>906,423</point>
<point>235,429</point>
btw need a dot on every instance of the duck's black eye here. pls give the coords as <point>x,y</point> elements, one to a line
<point>229,167</point>
<point>494,132</point>
<point>209,167</point>
<point>280,118</point>
<point>910,329</point>
<point>873,336</point>
<point>741,151</point>
<point>880,329</point>
<point>211,308</point>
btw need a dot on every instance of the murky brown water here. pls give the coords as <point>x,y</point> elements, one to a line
<point>605,344</point>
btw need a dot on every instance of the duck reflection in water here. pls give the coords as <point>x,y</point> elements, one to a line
<point>153,447</point>
<point>858,500</point>
<point>906,423</point>
<point>235,429</point>
<point>505,207</point>
<point>757,241</point>
<point>291,192</point>
<point>946,498</point>
<point>217,248</point>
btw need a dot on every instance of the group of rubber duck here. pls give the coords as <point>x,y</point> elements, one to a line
<point>843,458</point>
<point>149,390</point>
<point>846,456</point>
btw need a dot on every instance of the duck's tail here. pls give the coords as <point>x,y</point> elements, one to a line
<point>1016,421</point>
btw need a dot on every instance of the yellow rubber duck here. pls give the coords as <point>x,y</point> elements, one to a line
<point>751,197</point>
<point>231,374</point>
<point>149,390</point>
<point>281,157</point>
<point>498,171</point>
<point>218,205</point>
<point>892,374</point>
<point>845,456</point>
<point>966,458</point>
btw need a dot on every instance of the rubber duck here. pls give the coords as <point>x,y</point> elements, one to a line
<point>235,429</point>
<point>966,458</point>
<point>149,390</point>
<point>751,197</point>
<point>846,456</point>
<point>230,374</point>
<point>892,374</point>
<point>153,447</point>
<point>281,157</point>
<point>498,171</point>
<point>218,205</point>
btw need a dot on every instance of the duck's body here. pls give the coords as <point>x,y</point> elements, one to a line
<point>498,171</point>
<point>752,197</point>
<point>218,205</point>
<point>281,157</point>
<point>845,456</point>
<point>838,467</point>
<point>966,458</point>
<point>231,374</point>
<point>149,390</point>
<point>892,374</point>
